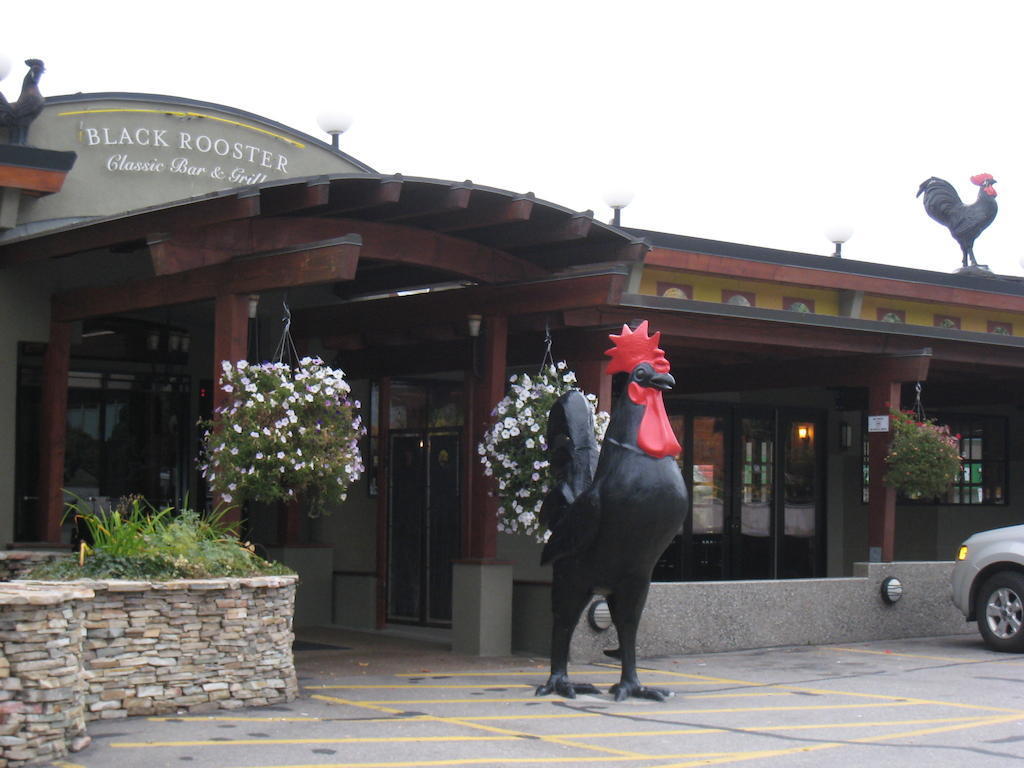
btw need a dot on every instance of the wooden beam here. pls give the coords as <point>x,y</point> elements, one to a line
<point>851,371</point>
<point>53,431</point>
<point>311,264</point>
<point>452,306</point>
<point>131,228</point>
<point>503,211</point>
<point>289,198</point>
<point>196,247</point>
<point>456,198</point>
<point>574,227</point>
<point>373,193</point>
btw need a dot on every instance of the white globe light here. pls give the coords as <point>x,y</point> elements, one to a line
<point>839,233</point>
<point>618,198</point>
<point>5,66</point>
<point>334,121</point>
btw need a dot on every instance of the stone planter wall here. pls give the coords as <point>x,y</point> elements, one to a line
<point>16,563</point>
<point>190,645</point>
<point>42,714</point>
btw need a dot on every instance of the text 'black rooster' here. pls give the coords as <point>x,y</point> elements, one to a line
<point>965,222</point>
<point>610,525</point>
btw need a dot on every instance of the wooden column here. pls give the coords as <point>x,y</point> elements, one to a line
<point>480,534</point>
<point>594,381</point>
<point>882,395</point>
<point>231,343</point>
<point>53,429</point>
<point>289,521</point>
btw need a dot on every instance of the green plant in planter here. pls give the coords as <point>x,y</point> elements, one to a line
<point>136,540</point>
<point>924,458</point>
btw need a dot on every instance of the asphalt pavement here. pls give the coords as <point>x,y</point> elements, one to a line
<point>372,701</point>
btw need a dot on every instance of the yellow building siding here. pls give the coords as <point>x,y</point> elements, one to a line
<point>702,287</point>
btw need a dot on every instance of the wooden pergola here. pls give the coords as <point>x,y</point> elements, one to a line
<point>361,235</point>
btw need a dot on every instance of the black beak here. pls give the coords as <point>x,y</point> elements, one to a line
<point>662,381</point>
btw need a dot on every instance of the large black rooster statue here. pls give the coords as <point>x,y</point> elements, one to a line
<point>18,116</point>
<point>965,222</point>
<point>609,526</point>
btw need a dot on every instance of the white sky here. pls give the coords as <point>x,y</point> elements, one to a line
<point>752,122</point>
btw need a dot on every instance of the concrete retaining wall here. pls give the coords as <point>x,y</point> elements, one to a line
<point>702,617</point>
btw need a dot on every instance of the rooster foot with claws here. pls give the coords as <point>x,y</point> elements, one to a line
<point>623,691</point>
<point>563,686</point>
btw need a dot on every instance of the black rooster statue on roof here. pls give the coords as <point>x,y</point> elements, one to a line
<point>610,525</point>
<point>18,116</point>
<point>965,222</point>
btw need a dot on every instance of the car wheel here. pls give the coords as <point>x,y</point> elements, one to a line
<point>1000,612</point>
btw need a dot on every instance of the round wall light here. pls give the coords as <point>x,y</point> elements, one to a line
<point>599,616</point>
<point>892,590</point>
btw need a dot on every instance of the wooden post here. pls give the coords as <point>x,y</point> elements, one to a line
<point>594,381</point>
<point>53,429</point>
<point>480,534</point>
<point>881,498</point>
<point>231,343</point>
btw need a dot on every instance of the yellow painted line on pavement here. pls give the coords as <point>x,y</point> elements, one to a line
<point>471,723</point>
<point>854,694</point>
<point>229,719</point>
<point>525,699</point>
<point>456,687</point>
<point>744,756</point>
<point>899,655</point>
<point>753,730</point>
<point>690,760</point>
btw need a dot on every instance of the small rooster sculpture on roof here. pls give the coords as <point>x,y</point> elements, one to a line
<point>610,525</point>
<point>965,222</point>
<point>18,116</point>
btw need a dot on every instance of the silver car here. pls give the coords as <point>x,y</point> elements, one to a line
<point>988,586</point>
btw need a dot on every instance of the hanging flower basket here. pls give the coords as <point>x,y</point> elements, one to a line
<point>285,432</point>
<point>514,450</point>
<point>924,458</point>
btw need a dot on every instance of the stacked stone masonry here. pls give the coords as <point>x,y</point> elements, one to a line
<point>87,650</point>
<point>42,713</point>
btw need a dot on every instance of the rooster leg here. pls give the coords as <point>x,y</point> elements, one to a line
<point>567,603</point>
<point>626,606</point>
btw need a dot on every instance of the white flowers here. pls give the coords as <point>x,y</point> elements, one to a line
<point>287,431</point>
<point>514,449</point>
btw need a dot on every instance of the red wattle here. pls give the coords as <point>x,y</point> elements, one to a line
<point>656,437</point>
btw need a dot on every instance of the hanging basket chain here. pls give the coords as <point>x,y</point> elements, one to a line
<point>547,361</point>
<point>286,347</point>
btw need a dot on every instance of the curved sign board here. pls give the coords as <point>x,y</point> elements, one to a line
<point>136,151</point>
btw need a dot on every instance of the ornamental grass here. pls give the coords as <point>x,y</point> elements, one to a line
<point>138,541</point>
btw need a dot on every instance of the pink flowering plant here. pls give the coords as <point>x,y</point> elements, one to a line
<point>284,432</point>
<point>514,449</point>
<point>924,458</point>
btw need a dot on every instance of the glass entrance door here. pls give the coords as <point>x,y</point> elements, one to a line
<point>751,520</point>
<point>757,495</point>
<point>423,525</point>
